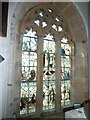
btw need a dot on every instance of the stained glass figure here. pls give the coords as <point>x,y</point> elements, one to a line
<point>29,73</point>
<point>49,73</point>
<point>65,72</point>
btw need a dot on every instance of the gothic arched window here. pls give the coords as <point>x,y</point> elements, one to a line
<point>39,62</point>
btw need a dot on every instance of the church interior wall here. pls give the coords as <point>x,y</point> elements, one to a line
<point>10,67</point>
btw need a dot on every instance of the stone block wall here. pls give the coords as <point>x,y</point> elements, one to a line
<point>80,81</point>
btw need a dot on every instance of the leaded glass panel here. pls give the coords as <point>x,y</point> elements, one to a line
<point>65,93</point>
<point>29,73</point>
<point>65,72</point>
<point>49,73</point>
<point>65,61</point>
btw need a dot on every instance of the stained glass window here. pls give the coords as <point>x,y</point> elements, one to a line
<point>29,73</point>
<point>30,53</point>
<point>49,73</point>
<point>65,72</point>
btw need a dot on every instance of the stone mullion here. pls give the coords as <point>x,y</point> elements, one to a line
<point>58,76</point>
<point>72,73</point>
<point>40,76</point>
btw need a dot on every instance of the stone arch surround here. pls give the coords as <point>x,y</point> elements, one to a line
<point>79,36</point>
<point>67,9</point>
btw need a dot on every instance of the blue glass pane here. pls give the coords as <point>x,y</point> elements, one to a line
<point>62,51</point>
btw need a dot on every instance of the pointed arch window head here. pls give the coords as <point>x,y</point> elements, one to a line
<point>30,41</point>
<point>30,32</point>
<point>64,40</point>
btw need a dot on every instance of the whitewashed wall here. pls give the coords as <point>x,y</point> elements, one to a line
<point>3,75</point>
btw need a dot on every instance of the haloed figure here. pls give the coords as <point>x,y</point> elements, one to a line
<point>32,75</point>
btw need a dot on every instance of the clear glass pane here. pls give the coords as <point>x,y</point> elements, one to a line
<point>44,24</point>
<point>41,12</point>
<point>37,21</point>
<point>54,27</point>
